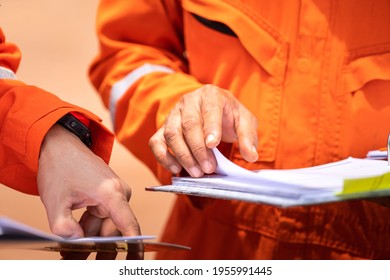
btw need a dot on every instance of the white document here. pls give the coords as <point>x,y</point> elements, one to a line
<point>345,179</point>
<point>17,235</point>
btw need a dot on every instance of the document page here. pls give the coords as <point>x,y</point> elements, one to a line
<point>329,177</point>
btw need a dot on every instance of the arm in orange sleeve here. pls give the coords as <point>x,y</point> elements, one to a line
<point>26,114</point>
<point>139,77</point>
<point>38,156</point>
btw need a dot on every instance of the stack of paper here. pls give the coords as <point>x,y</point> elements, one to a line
<point>345,179</point>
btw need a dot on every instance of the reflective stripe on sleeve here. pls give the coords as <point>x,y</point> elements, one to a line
<point>7,74</point>
<point>120,87</point>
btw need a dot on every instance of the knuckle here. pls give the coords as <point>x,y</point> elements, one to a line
<point>127,191</point>
<point>210,108</point>
<point>170,134</point>
<point>184,158</point>
<point>184,100</point>
<point>115,188</point>
<point>210,87</point>
<point>58,227</point>
<point>189,124</point>
<point>153,141</point>
<point>160,158</point>
<point>198,150</point>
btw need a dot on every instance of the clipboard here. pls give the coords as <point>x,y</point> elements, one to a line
<point>15,235</point>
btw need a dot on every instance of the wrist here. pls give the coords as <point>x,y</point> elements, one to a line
<point>57,141</point>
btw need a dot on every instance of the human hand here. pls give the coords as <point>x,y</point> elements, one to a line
<point>70,177</point>
<point>198,123</point>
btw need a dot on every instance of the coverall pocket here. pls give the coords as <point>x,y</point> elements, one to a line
<point>367,88</point>
<point>368,69</point>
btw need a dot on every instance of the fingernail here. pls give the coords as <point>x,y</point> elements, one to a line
<point>210,138</point>
<point>195,172</point>
<point>174,169</point>
<point>207,166</point>
<point>254,150</point>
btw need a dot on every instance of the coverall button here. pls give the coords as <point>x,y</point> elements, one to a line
<point>303,65</point>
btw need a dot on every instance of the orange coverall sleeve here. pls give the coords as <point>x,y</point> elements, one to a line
<point>149,71</point>
<point>26,114</point>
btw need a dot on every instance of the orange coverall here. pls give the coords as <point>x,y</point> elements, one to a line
<point>26,114</point>
<point>316,74</point>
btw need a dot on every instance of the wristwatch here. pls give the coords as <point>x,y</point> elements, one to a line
<point>75,126</point>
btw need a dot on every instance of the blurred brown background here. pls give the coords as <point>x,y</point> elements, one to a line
<point>58,42</point>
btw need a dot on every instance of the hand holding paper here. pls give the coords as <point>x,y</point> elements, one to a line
<point>198,122</point>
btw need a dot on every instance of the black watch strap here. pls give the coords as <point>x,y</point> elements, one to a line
<point>75,126</point>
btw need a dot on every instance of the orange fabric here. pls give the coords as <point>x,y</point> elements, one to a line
<point>26,114</point>
<point>315,73</point>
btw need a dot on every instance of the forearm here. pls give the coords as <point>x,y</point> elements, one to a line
<point>139,77</point>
